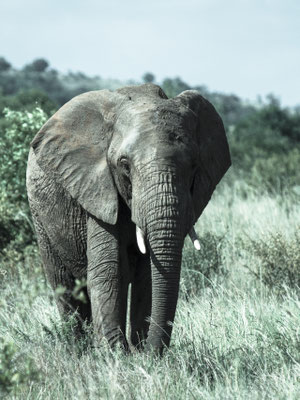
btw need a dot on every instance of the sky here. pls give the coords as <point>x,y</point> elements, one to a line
<point>245,47</point>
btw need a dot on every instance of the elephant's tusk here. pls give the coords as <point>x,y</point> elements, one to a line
<point>140,237</point>
<point>194,239</point>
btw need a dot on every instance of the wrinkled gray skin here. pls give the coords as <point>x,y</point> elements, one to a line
<point>105,163</point>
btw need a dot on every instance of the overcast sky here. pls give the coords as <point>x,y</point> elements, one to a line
<point>247,47</point>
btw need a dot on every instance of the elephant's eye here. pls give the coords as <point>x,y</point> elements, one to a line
<point>124,164</point>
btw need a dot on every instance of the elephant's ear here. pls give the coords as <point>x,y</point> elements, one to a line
<point>72,147</point>
<point>213,151</point>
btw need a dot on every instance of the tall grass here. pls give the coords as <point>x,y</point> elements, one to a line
<point>235,337</point>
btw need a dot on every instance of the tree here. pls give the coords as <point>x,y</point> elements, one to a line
<point>148,77</point>
<point>26,100</point>
<point>4,65</point>
<point>172,87</point>
<point>38,65</point>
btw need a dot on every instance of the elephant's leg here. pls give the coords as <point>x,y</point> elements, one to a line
<point>107,283</point>
<point>140,309</point>
<point>59,277</point>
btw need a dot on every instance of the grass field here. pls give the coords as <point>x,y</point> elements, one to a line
<point>237,328</point>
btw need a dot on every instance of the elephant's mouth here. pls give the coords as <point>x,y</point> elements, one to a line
<point>141,242</point>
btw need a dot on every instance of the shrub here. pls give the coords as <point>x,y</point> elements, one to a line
<point>276,173</point>
<point>10,374</point>
<point>265,147</point>
<point>15,220</point>
<point>25,100</point>
<point>23,266</point>
<point>279,261</point>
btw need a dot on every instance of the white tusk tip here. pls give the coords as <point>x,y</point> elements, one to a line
<point>197,244</point>
<point>142,248</point>
<point>194,239</point>
<point>140,240</point>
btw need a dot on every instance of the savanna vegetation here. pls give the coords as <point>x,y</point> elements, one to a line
<point>236,333</point>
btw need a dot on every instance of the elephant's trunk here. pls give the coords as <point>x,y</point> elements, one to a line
<point>165,257</point>
<point>165,224</point>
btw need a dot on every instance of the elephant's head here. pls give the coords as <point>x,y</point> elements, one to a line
<point>163,156</point>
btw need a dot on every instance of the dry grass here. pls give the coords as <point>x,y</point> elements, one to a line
<point>234,338</point>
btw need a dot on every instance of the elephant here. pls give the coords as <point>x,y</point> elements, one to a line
<point>116,180</point>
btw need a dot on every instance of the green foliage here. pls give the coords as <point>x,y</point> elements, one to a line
<point>234,337</point>
<point>231,108</point>
<point>265,148</point>
<point>15,220</point>
<point>172,87</point>
<point>11,375</point>
<point>281,120</point>
<point>26,100</point>
<point>279,261</point>
<point>258,135</point>
<point>24,268</point>
<point>36,76</point>
<point>275,173</point>
<point>78,292</point>
<point>148,77</point>
<point>4,64</point>
<point>38,65</point>
<point>40,77</point>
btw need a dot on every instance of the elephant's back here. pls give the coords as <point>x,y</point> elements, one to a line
<point>62,218</point>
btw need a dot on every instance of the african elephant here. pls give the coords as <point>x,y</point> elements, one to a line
<point>116,180</point>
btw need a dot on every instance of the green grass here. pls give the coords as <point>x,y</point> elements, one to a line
<point>235,336</point>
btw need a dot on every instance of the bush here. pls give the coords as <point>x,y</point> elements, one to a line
<point>265,148</point>
<point>23,266</point>
<point>10,374</point>
<point>279,261</point>
<point>276,173</point>
<point>172,87</point>
<point>25,100</point>
<point>15,220</point>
